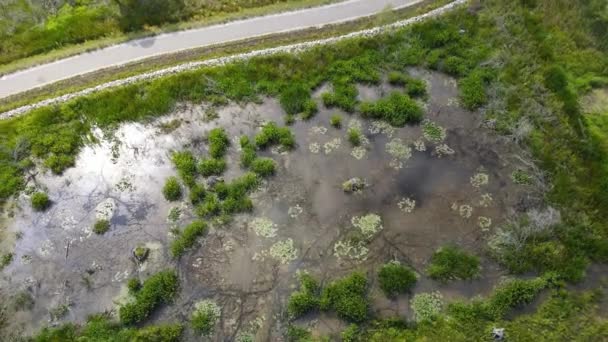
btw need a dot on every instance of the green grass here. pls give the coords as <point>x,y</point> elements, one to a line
<point>347,297</point>
<point>101,328</point>
<point>272,134</point>
<point>40,201</point>
<point>172,190</point>
<point>101,227</point>
<point>212,166</point>
<point>395,279</point>
<point>263,167</point>
<point>187,238</point>
<point>397,109</point>
<point>158,289</point>
<point>306,299</point>
<point>218,142</point>
<point>450,263</point>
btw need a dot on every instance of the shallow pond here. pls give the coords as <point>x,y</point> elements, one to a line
<point>425,196</point>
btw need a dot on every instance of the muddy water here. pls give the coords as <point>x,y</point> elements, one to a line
<point>60,261</point>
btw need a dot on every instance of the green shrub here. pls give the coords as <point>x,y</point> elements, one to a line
<point>336,121</point>
<point>295,98</point>
<point>218,142</point>
<point>472,91</point>
<point>450,262</point>
<point>59,162</point>
<point>205,316</point>
<point>187,238</point>
<point>197,194</point>
<point>344,97</point>
<point>351,333</point>
<point>209,207</point>
<point>416,88</point>
<point>354,136</point>
<point>185,163</point>
<point>133,285</point>
<point>310,109</point>
<point>101,227</point>
<point>212,166</point>
<point>264,167</point>
<point>158,289</point>
<point>395,278</point>
<point>271,134</point>
<point>172,190</point>
<point>5,260</point>
<point>397,109</point>
<point>40,201</point>
<point>248,155</point>
<point>298,334</point>
<point>134,14</point>
<point>347,297</point>
<point>306,299</point>
<point>397,78</point>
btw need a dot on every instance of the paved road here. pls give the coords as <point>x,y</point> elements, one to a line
<point>172,42</point>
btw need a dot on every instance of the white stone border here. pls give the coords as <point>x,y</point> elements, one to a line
<point>293,48</point>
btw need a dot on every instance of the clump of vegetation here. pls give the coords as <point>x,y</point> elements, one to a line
<point>272,134</point>
<point>347,297</point>
<point>141,253</point>
<point>298,334</point>
<point>101,227</point>
<point>101,327</point>
<point>450,262</point>
<point>205,316</point>
<point>433,132</point>
<point>23,301</point>
<point>264,167</point>
<point>336,121</point>
<point>295,99</point>
<point>472,91</point>
<point>354,136</point>
<point>186,238</point>
<point>344,96</point>
<point>197,194</point>
<point>218,142</point>
<point>306,299</point>
<point>134,285</point>
<point>427,306</point>
<point>395,278</point>
<point>397,109</point>
<point>185,163</point>
<point>212,166</point>
<point>521,177</point>
<point>414,87</point>
<point>40,201</point>
<point>158,289</point>
<point>172,190</point>
<point>248,154</point>
<point>5,260</point>
<point>351,334</point>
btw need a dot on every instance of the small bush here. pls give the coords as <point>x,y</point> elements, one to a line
<point>205,316</point>
<point>187,238</point>
<point>218,142</point>
<point>354,136</point>
<point>271,134</point>
<point>336,121</point>
<point>264,167</point>
<point>513,294</point>
<point>450,263</point>
<point>397,109</point>
<point>395,278</point>
<point>40,201</point>
<point>397,78</point>
<point>347,297</point>
<point>248,155</point>
<point>344,97</point>
<point>134,285</point>
<point>197,194</point>
<point>295,98</point>
<point>351,333</point>
<point>6,260</point>
<point>310,109</point>
<point>472,91</point>
<point>416,88</point>
<point>158,289</point>
<point>172,190</point>
<point>298,334</point>
<point>101,227</point>
<point>209,207</point>
<point>185,163</point>
<point>212,166</point>
<point>306,299</point>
